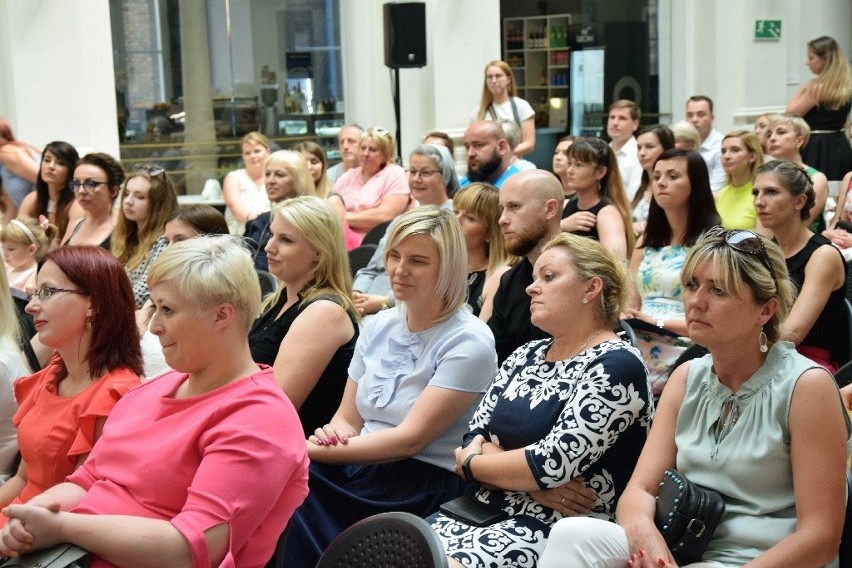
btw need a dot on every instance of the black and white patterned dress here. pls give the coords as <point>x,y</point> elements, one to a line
<point>586,416</point>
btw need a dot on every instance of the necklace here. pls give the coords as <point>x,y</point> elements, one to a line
<point>591,337</point>
<point>578,351</point>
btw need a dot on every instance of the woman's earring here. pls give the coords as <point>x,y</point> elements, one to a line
<point>763,342</point>
<point>585,301</point>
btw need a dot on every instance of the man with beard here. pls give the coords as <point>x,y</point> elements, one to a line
<point>489,156</point>
<point>531,204</point>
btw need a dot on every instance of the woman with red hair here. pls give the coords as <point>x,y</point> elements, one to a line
<point>83,309</point>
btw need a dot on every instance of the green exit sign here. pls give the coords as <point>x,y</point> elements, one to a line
<point>767,29</point>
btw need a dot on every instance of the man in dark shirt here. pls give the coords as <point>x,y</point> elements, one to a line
<point>531,204</point>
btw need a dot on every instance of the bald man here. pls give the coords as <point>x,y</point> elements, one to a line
<point>489,155</point>
<point>531,205</point>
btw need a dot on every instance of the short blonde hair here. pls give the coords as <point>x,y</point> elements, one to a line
<point>797,123</point>
<point>444,229</point>
<point>592,260</point>
<point>27,231</point>
<point>683,130</point>
<point>210,271</point>
<point>295,165</point>
<point>735,271</point>
<point>255,138</point>
<point>383,139</point>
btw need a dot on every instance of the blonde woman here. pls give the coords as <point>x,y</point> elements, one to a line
<point>147,201</point>
<point>824,102</point>
<point>308,327</point>
<point>13,364</point>
<point>742,154</point>
<point>285,175</point>
<point>500,100</point>
<point>245,196</point>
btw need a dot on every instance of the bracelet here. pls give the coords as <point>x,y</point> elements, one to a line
<point>468,474</point>
<point>384,305</point>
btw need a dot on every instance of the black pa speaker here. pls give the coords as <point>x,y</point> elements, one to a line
<point>405,34</point>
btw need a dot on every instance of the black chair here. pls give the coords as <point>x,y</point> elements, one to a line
<point>375,234</point>
<point>846,537</point>
<point>359,257</point>
<point>268,283</point>
<point>848,311</point>
<point>390,540</point>
<point>843,375</point>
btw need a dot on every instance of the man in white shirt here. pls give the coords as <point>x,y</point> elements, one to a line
<point>699,112</point>
<point>622,122</point>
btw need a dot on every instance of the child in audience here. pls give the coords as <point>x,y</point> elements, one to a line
<point>25,242</point>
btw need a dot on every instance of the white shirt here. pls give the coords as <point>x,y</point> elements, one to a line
<point>711,151</point>
<point>629,167</point>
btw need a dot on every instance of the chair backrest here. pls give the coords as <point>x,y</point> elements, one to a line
<point>627,333</point>
<point>390,540</point>
<point>375,234</point>
<point>848,309</point>
<point>359,257</point>
<point>268,283</point>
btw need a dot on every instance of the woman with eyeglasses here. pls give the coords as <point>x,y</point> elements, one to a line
<point>83,309</point>
<point>243,189</point>
<point>680,211</point>
<point>753,420</point>
<point>147,200</point>
<point>97,181</point>
<point>783,198</point>
<point>377,190</point>
<point>54,194</point>
<point>499,100</point>
<point>599,210</point>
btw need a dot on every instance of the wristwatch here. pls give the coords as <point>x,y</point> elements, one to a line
<point>468,475</point>
<point>661,324</point>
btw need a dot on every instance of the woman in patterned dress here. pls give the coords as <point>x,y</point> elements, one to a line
<point>574,407</point>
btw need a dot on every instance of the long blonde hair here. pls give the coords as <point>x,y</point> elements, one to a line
<point>9,326</point>
<point>835,79</point>
<point>318,224</point>
<point>487,98</point>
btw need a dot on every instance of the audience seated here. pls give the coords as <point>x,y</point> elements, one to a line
<point>477,207</point>
<point>199,467</point>
<point>243,190</point>
<point>681,210</point>
<point>83,309</point>
<point>787,135</point>
<point>500,101</point>
<point>699,111</point>
<point>752,420</point>
<point>742,155</point>
<point>147,200</point>
<point>817,323</point>
<point>13,364</point>
<point>513,137</point>
<point>418,371</point>
<point>576,406</point>
<point>531,204</point>
<point>761,130</point>
<point>651,141</point>
<point>317,162</point>
<point>286,175</point>
<point>308,327</point>
<point>560,162</point>
<point>431,178</point>
<point>348,140</point>
<point>54,193</point>
<point>25,242</point>
<point>622,121</point>
<point>438,138</point>
<point>839,230</point>
<point>19,168</point>
<point>489,154</point>
<point>599,210</point>
<point>685,135</point>
<point>97,182</point>
<point>376,191</point>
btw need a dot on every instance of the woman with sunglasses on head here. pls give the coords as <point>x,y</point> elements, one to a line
<point>499,101</point>
<point>147,200</point>
<point>54,194</point>
<point>83,309</point>
<point>680,212</point>
<point>600,209</point>
<point>783,197</point>
<point>418,371</point>
<point>243,190</point>
<point>753,420</point>
<point>377,190</point>
<point>97,181</point>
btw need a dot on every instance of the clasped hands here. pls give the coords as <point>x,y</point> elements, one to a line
<point>30,527</point>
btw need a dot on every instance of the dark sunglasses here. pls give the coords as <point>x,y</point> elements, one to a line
<point>748,242</point>
<point>149,169</point>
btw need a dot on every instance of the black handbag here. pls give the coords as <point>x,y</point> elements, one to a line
<point>687,516</point>
<point>63,555</point>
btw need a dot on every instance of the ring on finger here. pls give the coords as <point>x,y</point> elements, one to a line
<point>563,500</point>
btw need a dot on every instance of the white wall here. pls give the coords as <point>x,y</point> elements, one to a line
<point>57,72</point>
<point>708,48</point>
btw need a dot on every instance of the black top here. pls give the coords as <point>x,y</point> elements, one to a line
<point>820,118</point>
<point>830,330</point>
<point>573,207</point>
<point>475,284</point>
<point>105,244</point>
<point>510,318</point>
<point>828,152</point>
<point>265,338</point>
<point>257,235</point>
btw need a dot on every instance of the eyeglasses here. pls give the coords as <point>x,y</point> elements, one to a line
<point>149,169</point>
<point>48,291</point>
<point>422,173</point>
<point>88,186</point>
<point>728,417</point>
<point>742,240</point>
